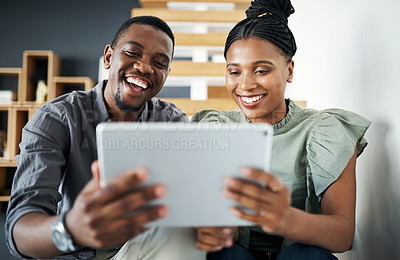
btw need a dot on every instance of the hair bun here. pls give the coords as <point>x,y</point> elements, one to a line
<point>280,9</point>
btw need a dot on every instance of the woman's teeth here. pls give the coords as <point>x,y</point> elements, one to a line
<point>250,100</point>
<point>137,82</point>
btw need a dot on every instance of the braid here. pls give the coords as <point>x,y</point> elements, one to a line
<point>266,19</point>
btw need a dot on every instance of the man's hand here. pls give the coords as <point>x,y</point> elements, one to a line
<point>211,239</point>
<point>105,217</point>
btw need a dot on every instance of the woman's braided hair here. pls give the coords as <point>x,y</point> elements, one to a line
<point>266,19</point>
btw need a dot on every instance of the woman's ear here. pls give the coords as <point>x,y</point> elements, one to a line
<point>107,57</point>
<point>290,71</point>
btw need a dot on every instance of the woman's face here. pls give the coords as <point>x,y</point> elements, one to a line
<point>256,76</point>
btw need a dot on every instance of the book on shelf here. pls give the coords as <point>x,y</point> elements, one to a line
<point>7,96</point>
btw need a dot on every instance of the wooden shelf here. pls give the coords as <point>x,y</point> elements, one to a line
<point>199,39</point>
<point>233,16</point>
<point>240,4</point>
<point>14,72</point>
<point>188,68</point>
<point>10,71</point>
<point>37,64</point>
<point>4,198</point>
<point>7,163</point>
<point>61,85</point>
<point>190,107</point>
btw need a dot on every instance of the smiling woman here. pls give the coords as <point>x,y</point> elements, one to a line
<point>306,207</point>
<point>254,62</point>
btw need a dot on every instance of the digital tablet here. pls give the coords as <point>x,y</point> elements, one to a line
<point>190,159</point>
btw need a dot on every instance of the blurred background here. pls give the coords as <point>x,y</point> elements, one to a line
<point>347,58</point>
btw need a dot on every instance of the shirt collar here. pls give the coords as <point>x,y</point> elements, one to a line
<point>99,103</point>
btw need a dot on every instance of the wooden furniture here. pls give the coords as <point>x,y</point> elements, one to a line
<point>231,16</point>
<point>239,4</point>
<point>37,65</point>
<point>192,106</point>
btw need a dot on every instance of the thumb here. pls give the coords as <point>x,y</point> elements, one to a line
<point>96,172</point>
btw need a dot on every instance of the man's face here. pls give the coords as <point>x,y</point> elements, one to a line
<point>139,64</point>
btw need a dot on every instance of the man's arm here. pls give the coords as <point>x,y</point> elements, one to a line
<point>100,218</point>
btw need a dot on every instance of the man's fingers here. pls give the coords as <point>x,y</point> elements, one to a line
<point>119,230</point>
<point>147,215</point>
<point>96,171</point>
<point>134,200</point>
<point>120,185</point>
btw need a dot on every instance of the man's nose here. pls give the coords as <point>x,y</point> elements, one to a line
<point>143,66</point>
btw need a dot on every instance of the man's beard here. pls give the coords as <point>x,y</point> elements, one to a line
<point>125,107</point>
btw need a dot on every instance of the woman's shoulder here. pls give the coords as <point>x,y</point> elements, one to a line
<point>333,135</point>
<point>215,116</point>
<point>333,117</point>
<point>341,116</point>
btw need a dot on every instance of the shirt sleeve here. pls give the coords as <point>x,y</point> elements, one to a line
<point>206,116</point>
<point>40,163</point>
<point>333,138</point>
<point>214,116</point>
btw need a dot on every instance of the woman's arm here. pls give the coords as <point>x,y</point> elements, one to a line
<point>333,229</point>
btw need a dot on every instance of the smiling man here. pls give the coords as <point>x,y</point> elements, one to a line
<point>56,208</point>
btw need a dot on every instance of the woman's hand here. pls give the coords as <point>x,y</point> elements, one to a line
<point>271,200</point>
<point>211,239</point>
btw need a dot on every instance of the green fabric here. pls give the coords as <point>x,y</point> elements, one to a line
<point>310,150</point>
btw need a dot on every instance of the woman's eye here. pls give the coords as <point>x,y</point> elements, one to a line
<point>263,71</point>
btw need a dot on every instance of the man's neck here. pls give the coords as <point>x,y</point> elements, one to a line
<point>121,116</point>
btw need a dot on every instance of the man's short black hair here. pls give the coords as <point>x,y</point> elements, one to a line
<point>153,21</point>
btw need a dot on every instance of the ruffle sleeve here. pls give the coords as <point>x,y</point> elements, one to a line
<point>332,141</point>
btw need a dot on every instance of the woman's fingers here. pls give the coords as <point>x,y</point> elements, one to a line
<point>270,181</point>
<point>212,239</point>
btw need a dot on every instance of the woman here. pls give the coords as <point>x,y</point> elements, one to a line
<point>309,195</point>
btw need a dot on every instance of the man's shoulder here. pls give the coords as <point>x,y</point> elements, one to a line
<point>167,111</point>
<point>71,101</point>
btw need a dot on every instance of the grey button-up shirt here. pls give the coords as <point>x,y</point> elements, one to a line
<point>57,149</point>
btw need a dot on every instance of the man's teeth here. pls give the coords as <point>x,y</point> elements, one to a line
<point>250,100</point>
<point>137,82</point>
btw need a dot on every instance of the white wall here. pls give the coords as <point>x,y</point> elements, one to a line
<point>349,57</point>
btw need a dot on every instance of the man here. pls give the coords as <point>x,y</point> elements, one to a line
<point>56,207</point>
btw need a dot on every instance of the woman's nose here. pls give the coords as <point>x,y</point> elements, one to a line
<point>247,82</point>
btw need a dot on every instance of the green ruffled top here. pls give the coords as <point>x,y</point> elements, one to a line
<point>310,150</point>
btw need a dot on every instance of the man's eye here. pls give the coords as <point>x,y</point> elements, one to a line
<point>133,54</point>
<point>233,72</point>
<point>161,64</point>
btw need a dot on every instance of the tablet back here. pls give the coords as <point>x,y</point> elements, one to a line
<point>191,159</point>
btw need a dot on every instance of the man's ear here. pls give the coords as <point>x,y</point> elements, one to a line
<point>108,51</point>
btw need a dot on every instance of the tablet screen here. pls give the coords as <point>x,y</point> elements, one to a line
<point>191,159</point>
